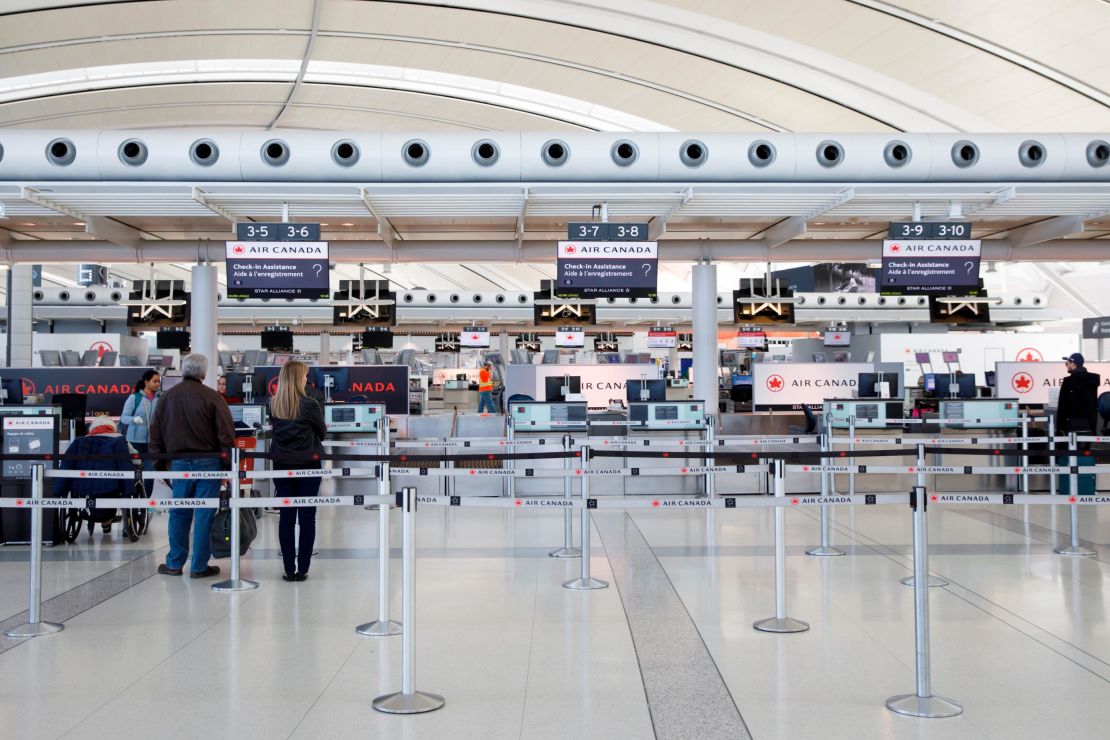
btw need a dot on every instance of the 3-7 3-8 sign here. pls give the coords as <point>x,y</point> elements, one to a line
<point>607,232</point>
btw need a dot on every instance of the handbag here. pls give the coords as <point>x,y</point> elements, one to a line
<point>221,532</point>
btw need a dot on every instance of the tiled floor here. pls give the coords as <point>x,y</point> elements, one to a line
<point>1020,638</point>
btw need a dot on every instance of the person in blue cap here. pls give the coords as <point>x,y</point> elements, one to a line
<point>1077,410</point>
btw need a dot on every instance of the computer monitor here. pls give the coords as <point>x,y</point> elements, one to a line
<point>339,378</point>
<point>277,340</point>
<point>128,361</point>
<point>990,378</point>
<point>73,406</point>
<point>89,358</point>
<point>225,361</point>
<point>941,382</point>
<point>657,390</point>
<point>235,384</point>
<point>247,415</point>
<point>867,384</point>
<point>173,339</point>
<point>50,357</point>
<point>70,358</point>
<point>550,357</point>
<point>13,392</point>
<point>371,357</point>
<point>967,385</point>
<point>108,359</point>
<point>553,386</point>
<point>169,381</point>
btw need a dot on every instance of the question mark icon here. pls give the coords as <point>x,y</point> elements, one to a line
<point>319,268</point>
<point>647,268</point>
<point>970,266</point>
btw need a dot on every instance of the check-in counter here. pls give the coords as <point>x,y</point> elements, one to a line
<point>547,422</point>
<point>665,421</point>
<point>354,422</point>
<point>979,418</point>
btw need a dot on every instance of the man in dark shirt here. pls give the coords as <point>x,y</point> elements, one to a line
<point>192,418</point>
<point>1077,410</point>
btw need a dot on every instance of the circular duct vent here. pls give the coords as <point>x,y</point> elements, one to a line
<point>1031,153</point>
<point>1098,153</point>
<point>964,153</point>
<point>454,298</point>
<point>61,152</point>
<point>115,296</point>
<point>345,153</point>
<point>555,153</point>
<point>761,153</point>
<point>676,299</point>
<point>820,300</point>
<point>897,154</point>
<point>1,152</point>
<point>38,295</point>
<point>476,298</point>
<point>485,153</point>
<point>521,298</point>
<point>132,152</point>
<point>499,298</point>
<point>694,153</point>
<point>90,296</point>
<point>861,301</point>
<point>431,298</point>
<point>800,300</point>
<point>416,152</point>
<point>275,152</point>
<point>624,153</point>
<point>840,301</point>
<point>882,300</point>
<point>204,152</point>
<point>829,153</point>
<point>407,298</point>
<point>63,295</point>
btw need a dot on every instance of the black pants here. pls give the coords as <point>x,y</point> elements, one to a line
<point>296,560</point>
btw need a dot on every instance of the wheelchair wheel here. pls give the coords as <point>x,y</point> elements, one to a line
<point>71,524</point>
<point>141,521</point>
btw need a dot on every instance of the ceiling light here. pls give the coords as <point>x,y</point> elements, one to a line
<point>78,223</point>
<point>28,223</point>
<point>347,224</point>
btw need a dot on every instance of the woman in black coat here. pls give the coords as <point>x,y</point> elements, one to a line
<point>296,444</point>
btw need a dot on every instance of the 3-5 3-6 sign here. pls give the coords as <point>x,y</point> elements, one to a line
<point>283,232</point>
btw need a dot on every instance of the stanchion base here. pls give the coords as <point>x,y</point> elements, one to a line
<point>34,630</point>
<point>934,582</point>
<point>786,624</point>
<point>1074,551</point>
<point>913,705</point>
<point>824,552</point>
<point>585,584</point>
<point>378,628</point>
<point>235,585</point>
<point>414,703</point>
<point>565,552</point>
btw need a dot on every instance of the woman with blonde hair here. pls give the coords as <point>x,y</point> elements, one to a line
<point>295,444</point>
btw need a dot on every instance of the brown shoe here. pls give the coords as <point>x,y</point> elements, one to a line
<point>211,570</point>
<point>166,570</point>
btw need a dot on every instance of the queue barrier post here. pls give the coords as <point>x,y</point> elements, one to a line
<point>780,622</point>
<point>825,549</point>
<point>510,435</point>
<point>1074,549</point>
<point>408,700</point>
<point>383,626</point>
<point>568,550</point>
<point>851,449</point>
<point>1025,452</point>
<point>922,703</point>
<point>585,582</point>
<point>710,437</point>
<point>1051,449</point>
<point>35,626</point>
<point>933,581</point>
<point>234,582</point>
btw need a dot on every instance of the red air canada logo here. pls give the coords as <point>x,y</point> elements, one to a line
<point>895,248</point>
<point>238,249</point>
<point>1030,355</point>
<point>1022,382</point>
<point>569,249</point>
<point>272,387</point>
<point>28,386</point>
<point>775,383</point>
<point>101,348</point>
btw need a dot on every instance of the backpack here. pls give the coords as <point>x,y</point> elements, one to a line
<point>221,532</point>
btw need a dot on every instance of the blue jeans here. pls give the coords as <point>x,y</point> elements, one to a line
<point>485,402</point>
<point>182,519</point>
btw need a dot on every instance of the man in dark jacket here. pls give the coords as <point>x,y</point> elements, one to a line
<point>1077,410</point>
<point>192,418</point>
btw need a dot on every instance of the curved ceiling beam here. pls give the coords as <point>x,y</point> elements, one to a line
<point>872,93</point>
<point>475,89</point>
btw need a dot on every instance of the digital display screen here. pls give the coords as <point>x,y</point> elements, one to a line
<point>474,336</point>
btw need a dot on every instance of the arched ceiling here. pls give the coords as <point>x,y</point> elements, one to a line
<point>708,65</point>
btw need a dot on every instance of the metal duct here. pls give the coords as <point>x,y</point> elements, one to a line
<point>93,295</point>
<point>234,156</point>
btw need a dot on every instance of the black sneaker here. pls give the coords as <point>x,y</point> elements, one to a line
<point>211,570</point>
<point>300,576</point>
<point>166,570</point>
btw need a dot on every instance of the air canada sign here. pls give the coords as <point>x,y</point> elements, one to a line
<point>792,385</point>
<point>1031,382</point>
<point>106,388</point>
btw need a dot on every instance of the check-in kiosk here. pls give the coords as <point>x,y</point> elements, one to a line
<point>27,430</point>
<point>667,421</point>
<point>873,418</point>
<point>250,419</point>
<point>355,422</point>
<point>980,413</point>
<point>978,417</point>
<point>538,420</point>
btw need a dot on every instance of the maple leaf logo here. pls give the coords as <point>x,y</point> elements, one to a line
<point>569,249</point>
<point>474,337</point>
<point>895,248</point>
<point>1022,382</point>
<point>794,502</point>
<point>655,503</point>
<point>238,249</point>
<point>19,502</point>
<point>775,383</point>
<point>1029,354</point>
<point>151,503</point>
<point>518,502</point>
<point>286,501</point>
<point>836,336</point>
<point>933,498</point>
<point>1072,499</point>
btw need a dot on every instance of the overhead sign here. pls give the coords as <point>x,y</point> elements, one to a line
<point>930,266</point>
<point>751,339</point>
<point>1096,328</point>
<point>1031,382</point>
<point>272,269</point>
<point>283,232</point>
<point>570,337</point>
<point>607,232</point>
<point>612,269</point>
<point>790,385</point>
<point>930,229</point>
<point>662,337</point>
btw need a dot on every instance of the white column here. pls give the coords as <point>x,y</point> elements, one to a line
<point>705,335</point>
<point>202,318</point>
<point>325,348</point>
<point>20,323</point>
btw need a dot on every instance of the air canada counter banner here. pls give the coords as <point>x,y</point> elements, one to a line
<point>107,388</point>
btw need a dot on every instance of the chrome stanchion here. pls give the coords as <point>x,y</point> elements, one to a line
<point>780,622</point>
<point>1025,449</point>
<point>234,582</point>
<point>922,703</point>
<point>1052,455</point>
<point>35,626</point>
<point>933,581</point>
<point>568,550</point>
<point>408,700</point>
<point>851,449</point>
<point>510,481</point>
<point>710,436</point>
<point>383,626</point>
<point>584,582</point>
<point>825,550</point>
<point>1073,489</point>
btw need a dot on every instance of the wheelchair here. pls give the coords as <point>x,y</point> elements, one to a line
<point>135,521</point>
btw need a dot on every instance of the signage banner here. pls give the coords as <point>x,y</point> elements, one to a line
<point>978,352</point>
<point>599,382</point>
<point>570,337</point>
<point>662,338</point>
<point>27,435</point>
<point>751,339</point>
<point>1096,328</point>
<point>612,269</point>
<point>790,385</point>
<point>384,384</point>
<point>107,388</point>
<point>1031,382</point>
<point>924,266</point>
<point>260,269</point>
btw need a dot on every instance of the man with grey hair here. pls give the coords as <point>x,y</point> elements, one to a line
<point>192,419</point>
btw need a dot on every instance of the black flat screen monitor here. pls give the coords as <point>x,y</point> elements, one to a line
<point>553,386</point>
<point>340,381</point>
<point>377,339</point>
<point>235,384</point>
<point>173,339</point>
<point>14,392</point>
<point>657,390</point>
<point>868,384</point>
<point>939,385</point>
<point>277,341</point>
